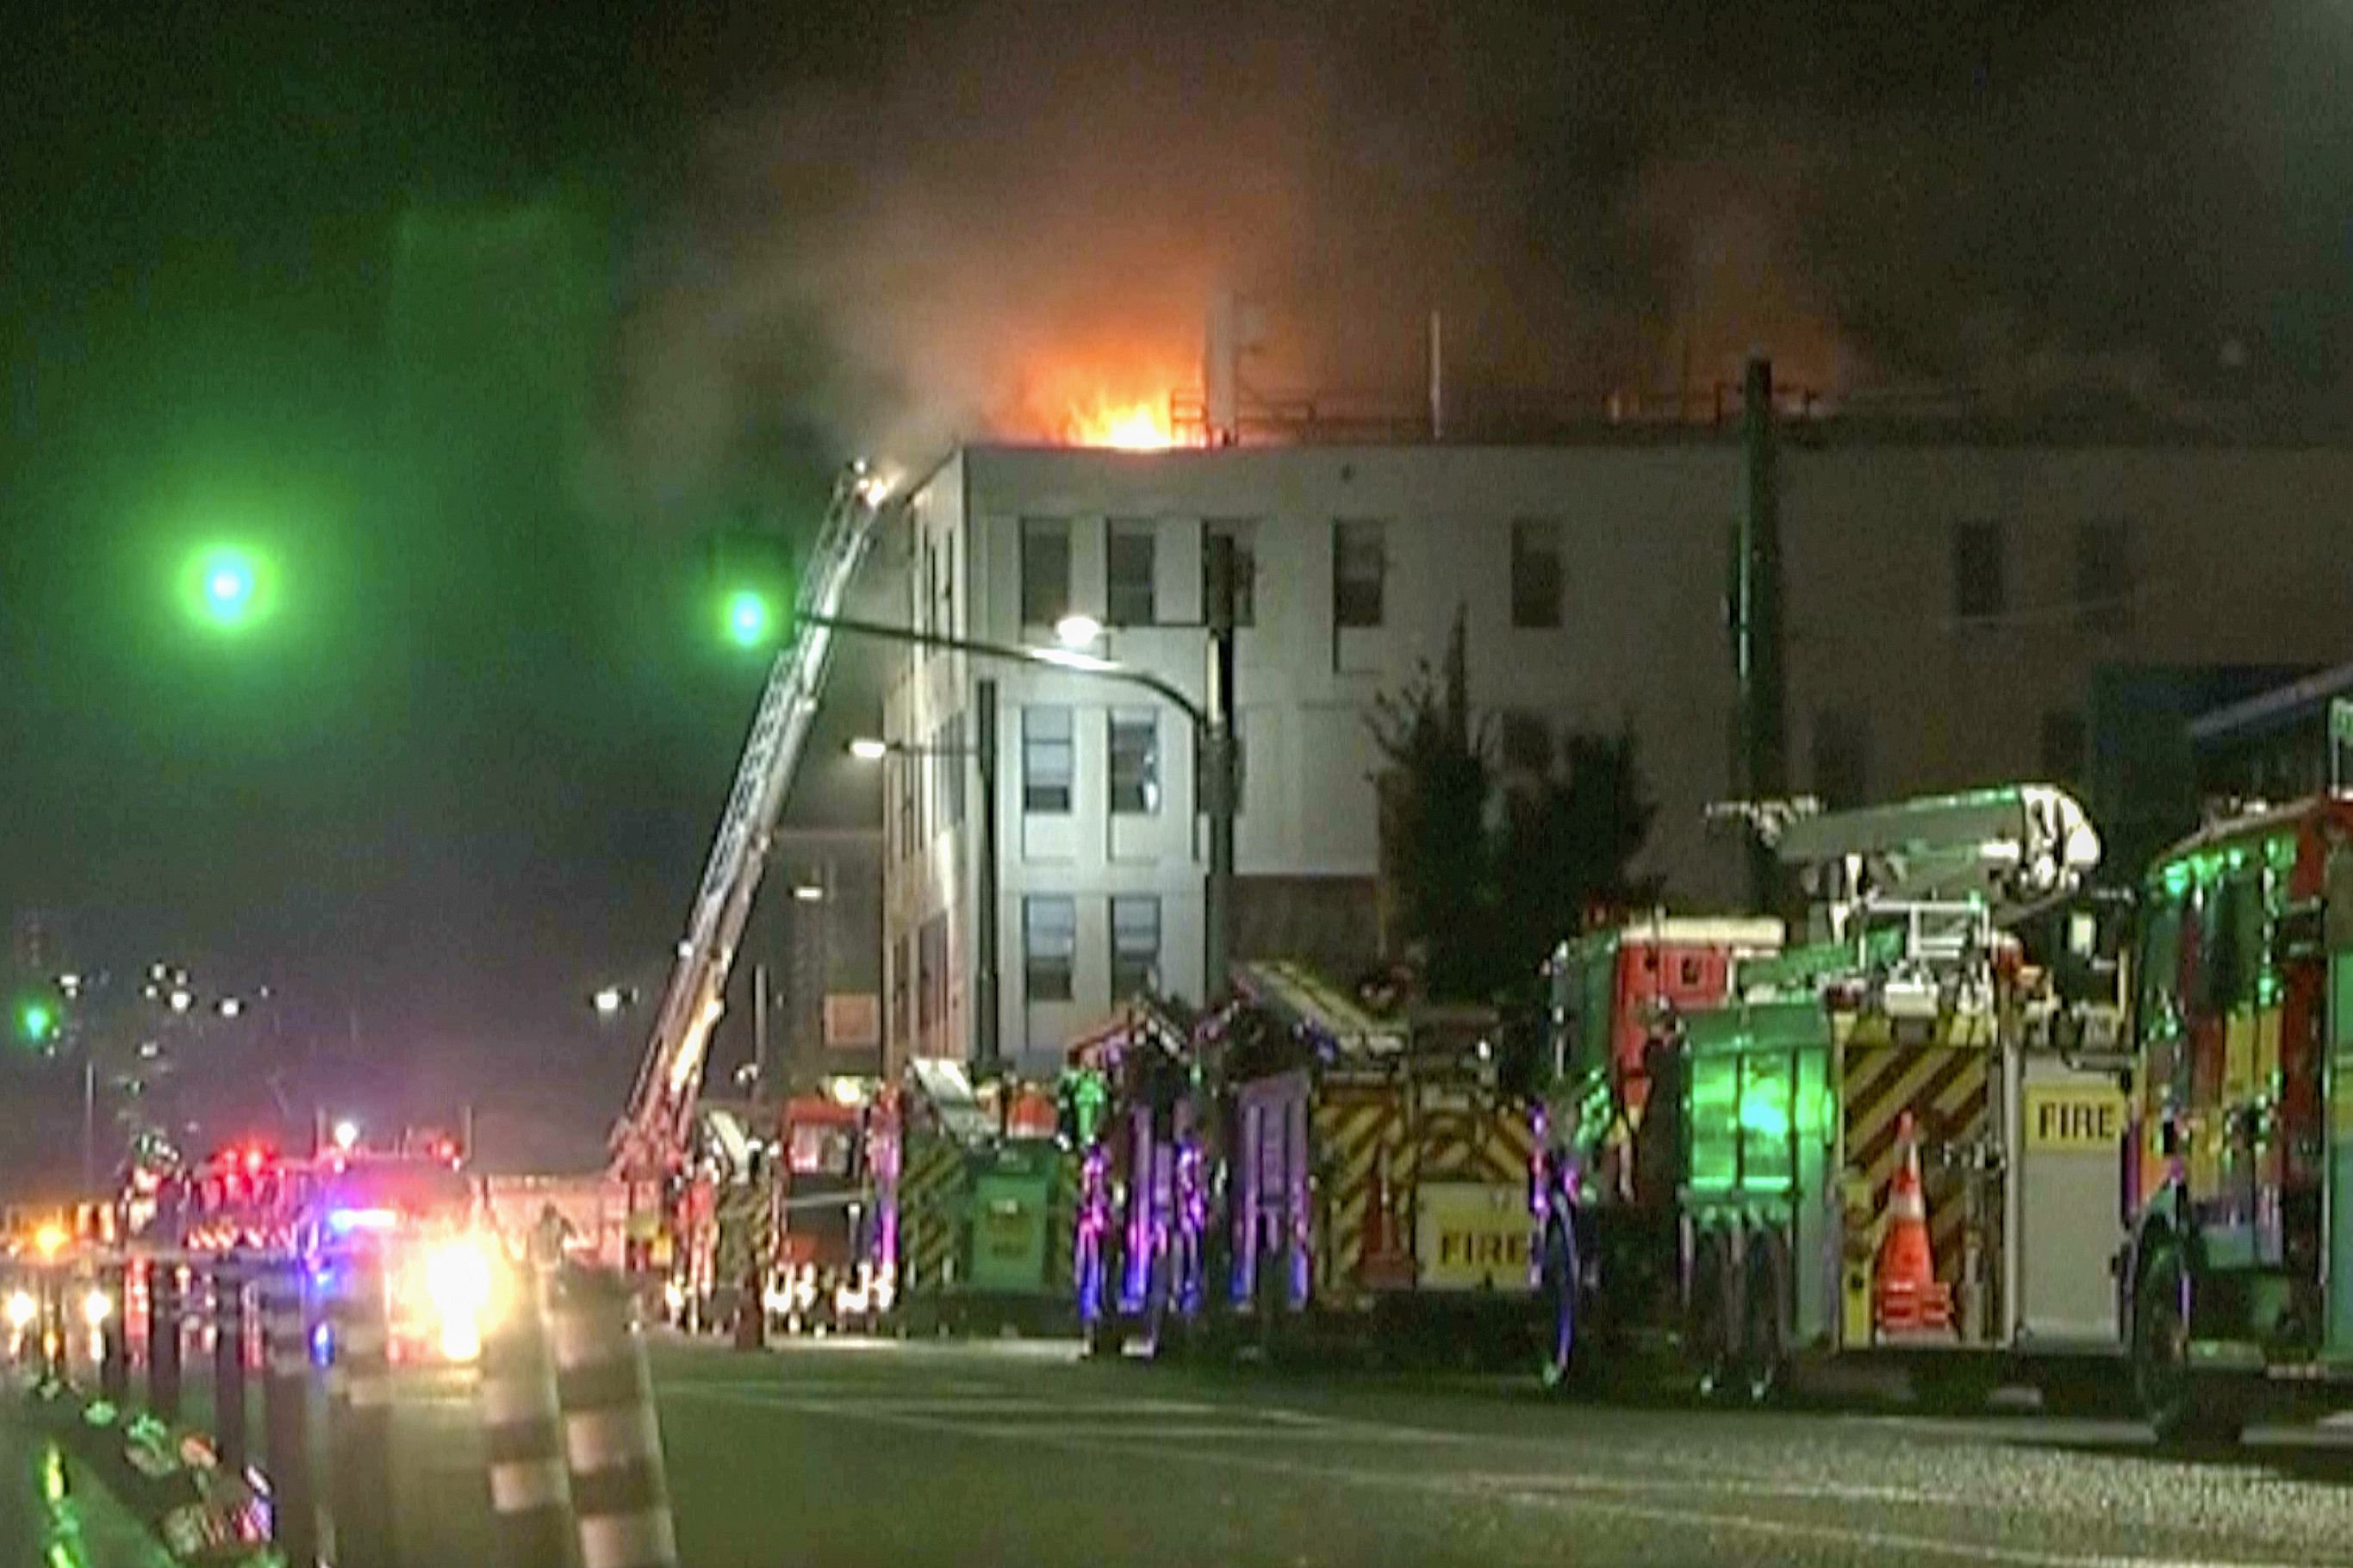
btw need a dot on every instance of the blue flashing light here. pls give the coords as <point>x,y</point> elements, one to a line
<point>343,1222</point>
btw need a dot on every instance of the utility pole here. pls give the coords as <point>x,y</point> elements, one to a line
<point>1217,900</point>
<point>89,1121</point>
<point>1760,766</point>
<point>988,1049</point>
<point>759,1032</point>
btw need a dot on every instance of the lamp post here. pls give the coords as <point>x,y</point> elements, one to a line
<point>1212,738</point>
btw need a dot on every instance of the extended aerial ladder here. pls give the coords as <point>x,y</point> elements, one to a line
<point>653,1141</point>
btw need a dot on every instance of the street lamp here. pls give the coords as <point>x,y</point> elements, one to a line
<point>1075,630</point>
<point>869,748</point>
<point>347,1134</point>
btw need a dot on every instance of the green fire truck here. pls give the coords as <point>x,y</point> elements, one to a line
<point>1731,1119</point>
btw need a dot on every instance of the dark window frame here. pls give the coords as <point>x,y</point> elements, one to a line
<point>1139,795</point>
<point>2103,574</point>
<point>1360,596</point>
<point>1048,974</point>
<point>1047,796</point>
<point>1125,960</point>
<point>1042,539</point>
<point>1539,574</point>
<point>1130,600</point>
<point>1980,565</point>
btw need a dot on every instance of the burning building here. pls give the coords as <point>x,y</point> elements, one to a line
<point>1952,587</point>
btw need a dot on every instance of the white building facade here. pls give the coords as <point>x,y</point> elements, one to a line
<point>1946,604</point>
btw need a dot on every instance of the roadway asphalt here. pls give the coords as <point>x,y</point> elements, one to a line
<point>850,1454</point>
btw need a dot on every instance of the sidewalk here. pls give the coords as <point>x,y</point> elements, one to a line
<point>52,1513</point>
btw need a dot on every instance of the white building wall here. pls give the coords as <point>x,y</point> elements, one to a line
<point>2231,550</point>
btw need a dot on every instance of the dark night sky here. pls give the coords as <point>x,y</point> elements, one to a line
<point>480,316</point>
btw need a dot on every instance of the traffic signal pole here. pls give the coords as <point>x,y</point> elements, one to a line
<point>1218,733</point>
<point>1760,762</point>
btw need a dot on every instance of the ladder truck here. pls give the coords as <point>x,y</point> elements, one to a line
<point>652,1155</point>
<point>1898,1139</point>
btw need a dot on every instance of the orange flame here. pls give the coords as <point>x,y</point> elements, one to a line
<point>1130,428</point>
<point>1110,397</point>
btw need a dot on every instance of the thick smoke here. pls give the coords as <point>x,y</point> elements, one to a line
<point>988,215</point>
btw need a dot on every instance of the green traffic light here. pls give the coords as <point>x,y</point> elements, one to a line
<point>749,619</point>
<point>228,587</point>
<point>38,1022</point>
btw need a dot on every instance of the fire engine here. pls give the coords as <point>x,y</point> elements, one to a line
<point>413,1211</point>
<point>1307,1165</point>
<point>828,1269</point>
<point>981,1204</point>
<point>2239,1276</point>
<point>1132,1104</point>
<point>1896,1137</point>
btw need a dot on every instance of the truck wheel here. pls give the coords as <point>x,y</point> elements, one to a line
<point>1707,1317</point>
<point>2184,1408</point>
<point>1764,1344</point>
<point>1559,1322</point>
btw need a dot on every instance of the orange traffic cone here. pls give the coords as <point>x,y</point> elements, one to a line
<point>1909,1298</point>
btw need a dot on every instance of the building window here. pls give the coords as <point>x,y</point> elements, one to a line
<point>1135,764</point>
<point>1526,741</point>
<point>1047,760</point>
<point>1360,564</point>
<point>1538,582</point>
<point>2104,575</point>
<point>1045,569</point>
<point>1842,757</point>
<point>1245,538</point>
<point>1134,946</point>
<point>1128,560</point>
<point>2060,748</point>
<point>1049,943</point>
<point>1980,589</point>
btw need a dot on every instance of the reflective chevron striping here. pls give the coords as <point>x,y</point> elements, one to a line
<point>931,1189</point>
<point>1351,1130</point>
<point>1945,1085</point>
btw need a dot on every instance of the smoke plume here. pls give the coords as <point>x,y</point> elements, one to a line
<point>974,221</point>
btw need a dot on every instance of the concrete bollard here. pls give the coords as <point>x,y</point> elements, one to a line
<point>163,1339</point>
<point>285,1412</point>
<point>359,1418</point>
<point>522,1434</point>
<point>114,1336</point>
<point>612,1441</point>
<point>228,1361</point>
